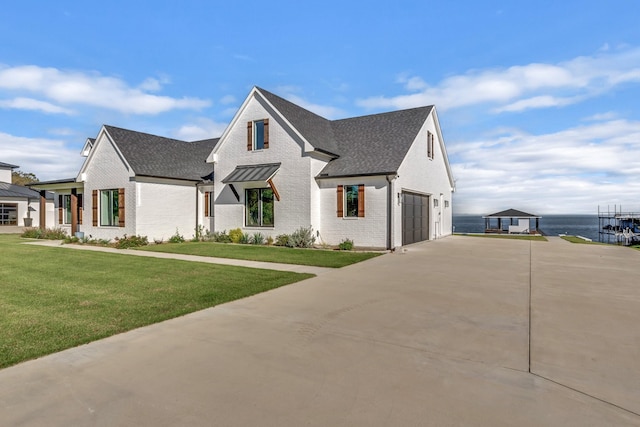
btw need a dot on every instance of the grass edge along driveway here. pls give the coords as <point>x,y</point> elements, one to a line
<point>284,255</point>
<point>52,299</point>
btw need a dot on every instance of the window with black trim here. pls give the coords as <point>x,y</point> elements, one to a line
<point>350,201</point>
<point>8,214</point>
<point>259,207</point>
<point>258,135</point>
<point>109,212</point>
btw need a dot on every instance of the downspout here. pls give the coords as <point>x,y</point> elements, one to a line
<point>390,201</point>
<point>197,211</point>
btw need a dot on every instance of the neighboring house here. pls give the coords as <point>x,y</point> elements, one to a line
<point>381,180</point>
<point>19,205</point>
<point>135,183</point>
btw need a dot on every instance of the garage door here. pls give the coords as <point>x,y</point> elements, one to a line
<point>415,217</point>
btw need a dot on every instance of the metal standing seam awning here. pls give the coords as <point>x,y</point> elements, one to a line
<point>253,173</point>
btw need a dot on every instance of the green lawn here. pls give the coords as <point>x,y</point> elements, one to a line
<point>315,257</point>
<point>508,236</point>
<point>574,239</point>
<point>52,299</point>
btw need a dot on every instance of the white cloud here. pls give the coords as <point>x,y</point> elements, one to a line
<point>93,89</point>
<point>571,171</point>
<point>544,101</point>
<point>228,99</point>
<point>33,105</point>
<point>520,87</point>
<point>40,156</point>
<point>203,128</point>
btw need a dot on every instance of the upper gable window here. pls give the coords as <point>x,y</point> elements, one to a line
<point>430,138</point>
<point>258,135</point>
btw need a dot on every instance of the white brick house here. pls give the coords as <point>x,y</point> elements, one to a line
<point>352,179</point>
<point>135,183</point>
<point>381,180</point>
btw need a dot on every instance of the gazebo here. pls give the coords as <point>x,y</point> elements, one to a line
<point>511,221</point>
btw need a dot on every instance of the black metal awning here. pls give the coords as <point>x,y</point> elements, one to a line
<point>252,173</point>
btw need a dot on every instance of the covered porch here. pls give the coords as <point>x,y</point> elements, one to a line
<point>512,221</point>
<point>68,202</point>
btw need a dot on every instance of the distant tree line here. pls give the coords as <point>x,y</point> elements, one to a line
<point>23,178</point>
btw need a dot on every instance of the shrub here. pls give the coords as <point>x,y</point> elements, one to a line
<point>158,241</point>
<point>49,233</point>
<point>258,239</point>
<point>346,245</point>
<point>32,233</point>
<point>176,238</point>
<point>245,239</point>
<point>131,241</point>
<point>200,233</point>
<point>54,234</point>
<point>221,237</point>
<point>235,235</point>
<point>282,240</point>
<point>302,238</point>
<point>269,241</point>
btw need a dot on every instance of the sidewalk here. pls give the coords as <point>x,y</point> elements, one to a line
<point>194,258</point>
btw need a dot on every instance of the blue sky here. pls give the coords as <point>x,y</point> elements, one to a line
<point>538,101</point>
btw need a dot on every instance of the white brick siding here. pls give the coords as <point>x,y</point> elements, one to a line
<point>105,170</point>
<point>425,177</point>
<point>369,231</point>
<point>164,207</point>
<point>294,181</point>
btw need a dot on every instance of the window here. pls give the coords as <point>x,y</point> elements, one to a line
<point>109,208</point>
<point>435,203</point>
<point>66,208</point>
<point>208,203</point>
<point>446,203</point>
<point>430,153</point>
<point>258,135</point>
<point>259,207</point>
<point>8,214</point>
<point>351,201</point>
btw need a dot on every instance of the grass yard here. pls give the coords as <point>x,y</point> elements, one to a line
<point>508,236</point>
<point>52,299</point>
<point>315,257</point>
<point>575,239</point>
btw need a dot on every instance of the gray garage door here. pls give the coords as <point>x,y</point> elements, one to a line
<point>415,217</point>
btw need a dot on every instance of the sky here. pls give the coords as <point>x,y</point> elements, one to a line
<point>539,102</point>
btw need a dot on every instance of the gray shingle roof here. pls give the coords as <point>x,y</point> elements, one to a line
<point>316,129</point>
<point>8,166</point>
<point>152,155</point>
<point>367,145</point>
<point>12,190</point>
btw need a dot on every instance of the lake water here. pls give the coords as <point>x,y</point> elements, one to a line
<point>551,225</point>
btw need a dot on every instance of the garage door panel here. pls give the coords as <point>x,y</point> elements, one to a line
<point>415,217</point>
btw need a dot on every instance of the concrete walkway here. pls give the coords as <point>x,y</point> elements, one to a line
<point>211,260</point>
<point>463,331</point>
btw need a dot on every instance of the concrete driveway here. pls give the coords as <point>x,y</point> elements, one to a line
<point>438,335</point>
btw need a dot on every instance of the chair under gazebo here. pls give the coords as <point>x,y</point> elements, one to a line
<point>512,221</point>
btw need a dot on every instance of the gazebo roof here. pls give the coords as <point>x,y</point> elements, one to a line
<point>511,213</point>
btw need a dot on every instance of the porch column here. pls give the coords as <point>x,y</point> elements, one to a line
<point>43,210</point>
<point>74,211</point>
